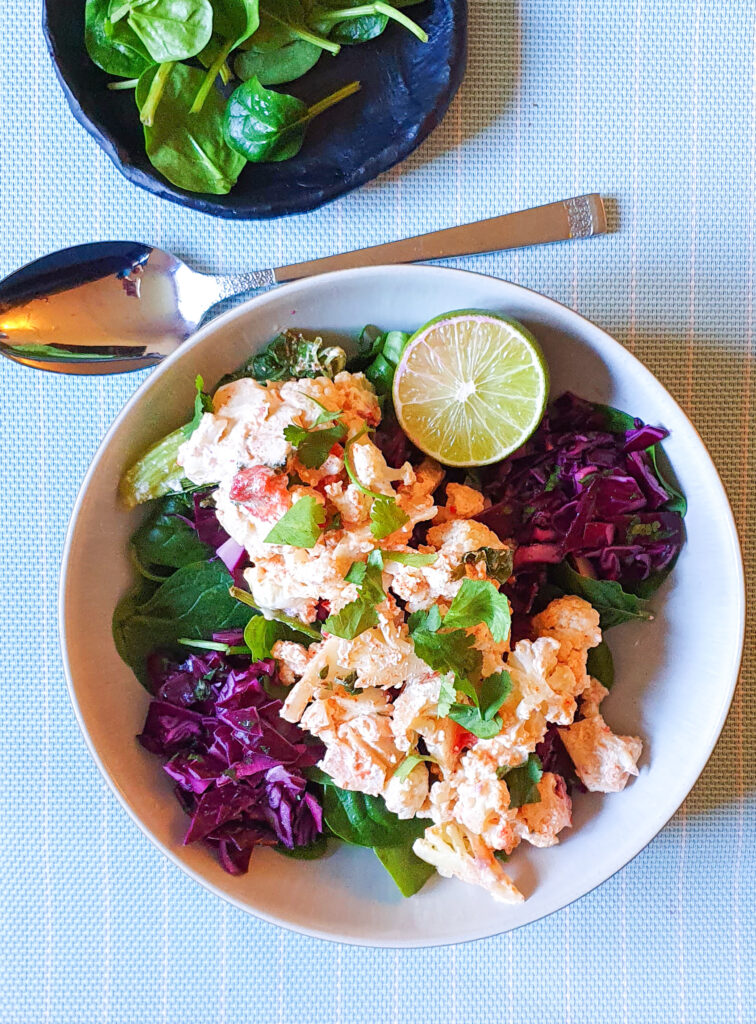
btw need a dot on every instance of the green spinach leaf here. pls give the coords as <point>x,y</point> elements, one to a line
<point>165,537</point>
<point>276,67</point>
<point>188,149</point>
<point>171,30</point>
<point>234,21</point>
<point>117,49</point>
<point>350,21</point>
<point>409,872</point>
<point>613,604</point>
<point>194,603</point>
<point>266,126</point>
<point>284,21</point>
<point>600,664</point>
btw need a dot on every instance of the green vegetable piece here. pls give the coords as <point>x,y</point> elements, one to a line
<point>117,49</point>
<point>479,601</point>
<point>202,403</point>
<point>600,664</point>
<point>405,768</point>
<point>306,634</point>
<point>360,614</point>
<point>613,604</point>
<point>266,126</point>
<point>300,526</point>
<point>156,473</point>
<point>447,696</point>
<point>409,872</point>
<point>412,558</point>
<point>214,645</point>
<point>233,22</point>
<point>313,851</point>
<point>386,516</point>
<point>290,356</point>
<point>354,22</point>
<point>192,603</point>
<point>522,782</point>
<point>451,651</point>
<point>313,446</point>
<point>498,564</point>
<point>483,720</point>
<point>188,149</point>
<point>260,634</point>
<point>170,30</point>
<point>165,538</point>
<point>276,67</point>
<point>284,21</point>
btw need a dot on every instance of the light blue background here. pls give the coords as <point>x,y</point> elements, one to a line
<point>651,103</point>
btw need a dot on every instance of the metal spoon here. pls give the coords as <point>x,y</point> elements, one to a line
<point>108,307</point>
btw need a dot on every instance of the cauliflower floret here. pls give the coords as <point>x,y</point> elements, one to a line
<point>356,729</point>
<point>408,798</point>
<point>292,659</point>
<point>424,585</point>
<point>383,655</point>
<point>541,682</point>
<point>456,853</point>
<point>476,798</point>
<point>349,501</point>
<point>591,697</point>
<point>541,823</point>
<point>604,762</point>
<point>372,470</point>
<point>575,624</point>
<point>415,709</point>
<point>518,738</point>
<point>463,502</point>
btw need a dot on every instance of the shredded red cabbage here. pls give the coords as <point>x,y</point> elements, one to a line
<point>209,530</point>
<point>579,489</point>
<point>237,765</point>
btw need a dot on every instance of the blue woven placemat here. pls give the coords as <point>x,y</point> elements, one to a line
<point>654,104</point>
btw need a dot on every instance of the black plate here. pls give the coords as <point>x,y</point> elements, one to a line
<point>406,89</point>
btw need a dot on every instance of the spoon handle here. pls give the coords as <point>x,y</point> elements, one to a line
<point>580,217</point>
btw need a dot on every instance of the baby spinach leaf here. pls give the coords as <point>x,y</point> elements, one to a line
<point>522,782</point>
<point>188,149</point>
<point>193,603</point>
<point>275,67</point>
<point>284,21</point>
<point>479,601</point>
<point>117,49</point>
<point>165,537</point>
<point>260,634</point>
<point>613,604</point>
<point>171,30</point>
<point>300,525</point>
<point>267,126</point>
<point>409,872</point>
<point>233,22</point>
<point>600,664</point>
<point>677,501</point>
<point>313,851</point>
<point>350,21</point>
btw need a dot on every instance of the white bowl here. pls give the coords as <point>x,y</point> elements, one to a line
<point>674,677</point>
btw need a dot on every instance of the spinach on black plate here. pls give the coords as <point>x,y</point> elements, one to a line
<point>196,135</point>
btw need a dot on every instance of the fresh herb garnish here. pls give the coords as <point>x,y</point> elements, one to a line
<point>313,446</point>
<point>360,614</point>
<point>386,515</point>
<point>498,564</point>
<point>300,526</point>
<point>522,782</point>
<point>479,601</point>
<point>482,719</point>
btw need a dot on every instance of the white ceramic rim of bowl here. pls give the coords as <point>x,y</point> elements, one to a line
<point>242,310</point>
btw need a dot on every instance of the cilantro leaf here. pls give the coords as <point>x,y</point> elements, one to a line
<point>386,516</point>
<point>479,601</point>
<point>361,613</point>
<point>446,696</point>
<point>405,768</point>
<point>300,525</point>
<point>484,721</point>
<point>522,782</point>
<point>202,403</point>
<point>313,446</point>
<point>430,619</point>
<point>451,651</point>
<point>413,558</point>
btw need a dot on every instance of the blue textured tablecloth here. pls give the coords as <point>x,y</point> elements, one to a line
<point>651,103</point>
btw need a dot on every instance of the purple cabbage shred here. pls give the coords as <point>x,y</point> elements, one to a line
<point>579,490</point>
<point>237,766</point>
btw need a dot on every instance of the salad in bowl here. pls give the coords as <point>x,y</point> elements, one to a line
<point>372,597</point>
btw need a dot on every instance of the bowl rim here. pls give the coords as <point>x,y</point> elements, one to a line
<point>300,202</point>
<point>241,311</point>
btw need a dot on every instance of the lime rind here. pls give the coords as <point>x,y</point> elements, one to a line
<point>470,388</point>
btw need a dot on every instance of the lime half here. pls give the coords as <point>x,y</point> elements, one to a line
<point>470,387</point>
